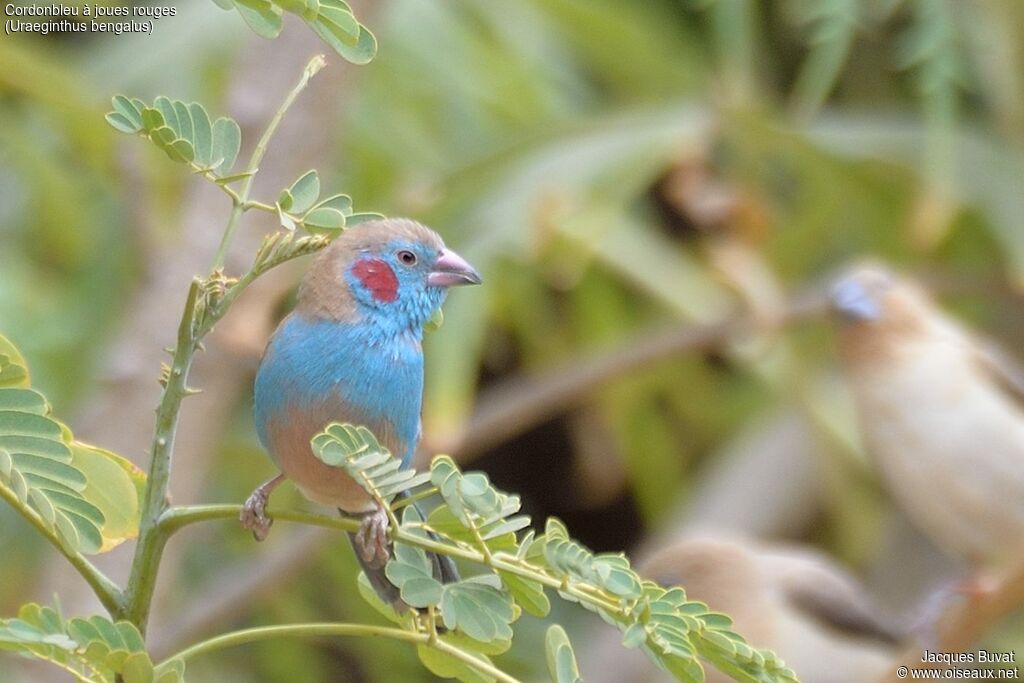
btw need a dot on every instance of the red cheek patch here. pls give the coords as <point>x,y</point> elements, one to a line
<point>377,276</point>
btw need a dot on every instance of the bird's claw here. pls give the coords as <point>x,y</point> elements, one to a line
<point>253,515</point>
<point>372,540</point>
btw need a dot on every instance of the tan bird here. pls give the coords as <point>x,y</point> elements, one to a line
<point>793,600</point>
<point>941,412</point>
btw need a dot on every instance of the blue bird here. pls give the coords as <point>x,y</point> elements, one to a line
<point>351,352</point>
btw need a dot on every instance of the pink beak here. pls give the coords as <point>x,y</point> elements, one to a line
<point>451,270</point>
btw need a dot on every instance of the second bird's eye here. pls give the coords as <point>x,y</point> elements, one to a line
<point>407,257</point>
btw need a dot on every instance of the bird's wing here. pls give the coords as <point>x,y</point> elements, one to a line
<point>829,596</point>
<point>1004,370</point>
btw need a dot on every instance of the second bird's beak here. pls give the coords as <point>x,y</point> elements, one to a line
<point>853,301</point>
<point>451,270</point>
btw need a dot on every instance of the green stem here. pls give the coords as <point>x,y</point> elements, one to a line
<point>229,232</point>
<point>253,204</point>
<point>178,517</point>
<point>466,658</point>
<point>318,62</point>
<point>149,548</point>
<point>400,503</point>
<point>106,590</point>
<point>182,515</point>
<point>251,635</point>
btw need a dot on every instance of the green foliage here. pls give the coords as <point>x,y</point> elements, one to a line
<point>86,496</point>
<point>931,46</point>
<point>561,660</point>
<point>332,20</point>
<point>298,205</point>
<point>831,27</point>
<point>357,451</point>
<point>479,507</point>
<point>477,522</point>
<point>183,131</point>
<point>93,650</point>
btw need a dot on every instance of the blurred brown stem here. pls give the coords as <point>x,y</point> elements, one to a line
<point>520,403</point>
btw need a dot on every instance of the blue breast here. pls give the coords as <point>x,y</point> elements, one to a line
<point>309,362</point>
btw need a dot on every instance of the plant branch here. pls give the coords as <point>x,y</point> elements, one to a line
<point>149,548</point>
<point>517,404</point>
<point>242,202</point>
<point>176,518</point>
<point>328,629</point>
<point>196,321</point>
<point>106,590</point>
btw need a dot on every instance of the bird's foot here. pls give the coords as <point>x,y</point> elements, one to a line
<point>372,542</point>
<point>253,515</point>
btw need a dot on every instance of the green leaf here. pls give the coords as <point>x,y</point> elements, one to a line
<point>122,123</point>
<point>560,657</point>
<point>340,22</point>
<point>163,136</point>
<point>436,320</point>
<point>166,109</point>
<point>332,20</point>
<point>41,472</point>
<point>357,451</point>
<point>370,595</point>
<point>324,220</point>
<point>116,487</point>
<point>475,503</point>
<point>304,192</point>
<point>180,150</point>
<point>93,649</point>
<point>13,369</point>
<point>334,30</point>
<point>171,671</point>
<point>446,666</point>
<point>226,141</point>
<point>151,119</point>
<point>832,28</point>
<point>285,200</point>
<point>634,636</point>
<point>464,642</point>
<point>86,495</point>
<point>480,611</point>
<point>615,576</point>
<point>184,117</point>
<point>128,110</point>
<point>507,526</point>
<point>183,131</point>
<point>262,16</point>
<point>528,594</point>
<point>412,572</point>
<point>341,202</point>
<point>202,134</point>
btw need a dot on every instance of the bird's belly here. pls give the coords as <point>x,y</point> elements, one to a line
<point>952,452</point>
<point>289,432</point>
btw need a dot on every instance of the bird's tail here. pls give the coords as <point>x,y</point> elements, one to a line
<point>444,570</point>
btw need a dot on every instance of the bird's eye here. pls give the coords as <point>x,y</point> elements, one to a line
<point>407,257</point>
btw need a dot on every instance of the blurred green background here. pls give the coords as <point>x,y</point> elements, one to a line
<point>617,170</point>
